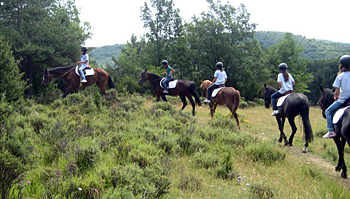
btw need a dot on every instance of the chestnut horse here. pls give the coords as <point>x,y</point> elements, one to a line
<point>342,128</point>
<point>227,95</point>
<point>100,77</point>
<point>295,104</point>
<point>184,88</point>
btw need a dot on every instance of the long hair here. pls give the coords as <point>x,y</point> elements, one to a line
<point>219,67</point>
<point>343,68</point>
<point>285,75</point>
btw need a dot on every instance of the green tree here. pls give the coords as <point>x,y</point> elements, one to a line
<point>11,84</point>
<point>287,51</point>
<point>44,34</point>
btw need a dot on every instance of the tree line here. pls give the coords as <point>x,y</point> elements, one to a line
<point>49,34</point>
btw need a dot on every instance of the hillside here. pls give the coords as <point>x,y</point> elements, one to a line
<point>314,49</point>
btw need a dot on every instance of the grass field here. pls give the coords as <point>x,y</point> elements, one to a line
<point>127,146</point>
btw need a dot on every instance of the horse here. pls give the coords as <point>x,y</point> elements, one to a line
<point>342,128</point>
<point>227,95</point>
<point>183,89</point>
<point>295,104</point>
<point>68,74</point>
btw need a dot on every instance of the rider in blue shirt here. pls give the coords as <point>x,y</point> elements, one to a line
<point>84,61</point>
<point>342,93</point>
<point>169,75</point>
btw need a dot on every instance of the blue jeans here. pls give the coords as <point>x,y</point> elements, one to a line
<point>168,78</point>
<point>82,67</point>
<point>273,99</point>
<point>329,114</point>
<point>210,90</point>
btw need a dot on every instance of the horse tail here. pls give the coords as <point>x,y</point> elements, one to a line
<point>193,91</point>
<point>236,100</point>
<point>110,82</point>
<point>304,113</point>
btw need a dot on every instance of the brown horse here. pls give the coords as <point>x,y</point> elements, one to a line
<point>227,95</point>
<point>184,88</point>
<point>100,77</point>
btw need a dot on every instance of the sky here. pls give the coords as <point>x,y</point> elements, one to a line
<point>114,21</point>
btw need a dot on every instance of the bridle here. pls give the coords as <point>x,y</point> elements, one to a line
<point>48,73</point>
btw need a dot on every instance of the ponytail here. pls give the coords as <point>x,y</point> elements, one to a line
<point>285,75</point>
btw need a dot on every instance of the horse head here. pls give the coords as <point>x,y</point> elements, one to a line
<point>268,91</point>
<point>205,85</point>
<point>47,77</point>
<point>143,77</point>
<point>326,99</point>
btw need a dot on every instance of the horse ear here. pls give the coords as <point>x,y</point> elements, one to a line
<point>321,89</point>
<point>146,70</point>
<point>265,85</point>
<point>202,81</point>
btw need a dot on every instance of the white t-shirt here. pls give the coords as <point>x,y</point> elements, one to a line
<point>220,77</point>
<point>342,81</point>
<point>286,85</point>
<point>84,58</point>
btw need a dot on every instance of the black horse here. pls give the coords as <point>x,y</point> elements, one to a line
<point>184,88</point>
<point>295,104</point>
<point>342,128</point>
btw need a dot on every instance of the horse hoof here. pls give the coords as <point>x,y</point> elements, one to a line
<point>279,140</point>
<point>305,149</point>
<point>344,175</point>
<point>337,169</point>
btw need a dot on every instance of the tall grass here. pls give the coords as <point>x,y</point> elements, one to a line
<point>127,146</point>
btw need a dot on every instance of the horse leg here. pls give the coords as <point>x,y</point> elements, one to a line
<point>280,122</point>
<point>192,103</point>
<point>68,91</point>
<point>236,117</point>
<point>102,87</point>
<point>184,102</point>
<point>212,108</point>
<point>340,143</point>
<point>294,130</point>
<point>163,97</point>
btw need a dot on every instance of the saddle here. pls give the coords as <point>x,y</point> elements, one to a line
<point>88,71</point>
<point>280,100</point>
<point>171,84</point>
<point>216,91</point>
<point>339,113</point>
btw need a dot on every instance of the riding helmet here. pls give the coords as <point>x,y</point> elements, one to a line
<point>283,66</point>
<point>219,64</point>
<point>345,60</point>
<point>164,62</point>
<point>83,49</point>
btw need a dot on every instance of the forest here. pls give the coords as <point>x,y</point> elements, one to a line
<point>43,136</point>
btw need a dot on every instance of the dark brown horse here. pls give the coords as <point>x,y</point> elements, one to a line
<point>228,95</point>
<point>295,104</point>
<point>184,88</point>
<point>342,128</point>
<point>100,77</point>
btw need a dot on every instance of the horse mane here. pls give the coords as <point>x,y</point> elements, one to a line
<point>153,76</point>
<point>60,70</point>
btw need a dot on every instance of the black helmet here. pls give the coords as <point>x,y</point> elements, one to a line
<point>283,66</point>
<point>219,64</point>
<point>83,49</point>
<point>164,62</point>
<point>345,60</point>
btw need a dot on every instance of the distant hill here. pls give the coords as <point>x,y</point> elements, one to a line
<point>313,49</point>
<point>104,54</point>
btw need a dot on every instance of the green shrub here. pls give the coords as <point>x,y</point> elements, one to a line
<point>261,191</point>
<point>243,104</point>
<point>190,182</point>
<point>86,153</point>
<point>225,169</point>
<point>264,153</point>
<point>206,160</point>
<point>237,139</point>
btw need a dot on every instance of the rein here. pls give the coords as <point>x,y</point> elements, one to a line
<point>67,72</point>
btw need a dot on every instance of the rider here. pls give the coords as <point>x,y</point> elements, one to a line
<point>220,78</point>
<point>285,82</point>
<point>84,61</point>
<point>169,75</point>
<point>342,92</point>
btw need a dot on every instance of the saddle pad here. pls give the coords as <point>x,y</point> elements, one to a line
<point>172,84</point>
<point>88,71</point>
<point>338,114</point>
<point>281,100</point>
<point>216,91</point>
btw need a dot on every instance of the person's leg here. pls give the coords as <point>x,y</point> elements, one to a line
<point>273,99</point>
<point>210,90</point>
<point>165,82</point>
<point>82,72</point>
<point>329,116</point>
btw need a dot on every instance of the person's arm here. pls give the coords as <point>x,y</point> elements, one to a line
<point>336,93</point>
<point>279,85</point>
<point>293,83</point>
<point>214,79</point>
<point>172,71</point>
<point>83,62</point>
